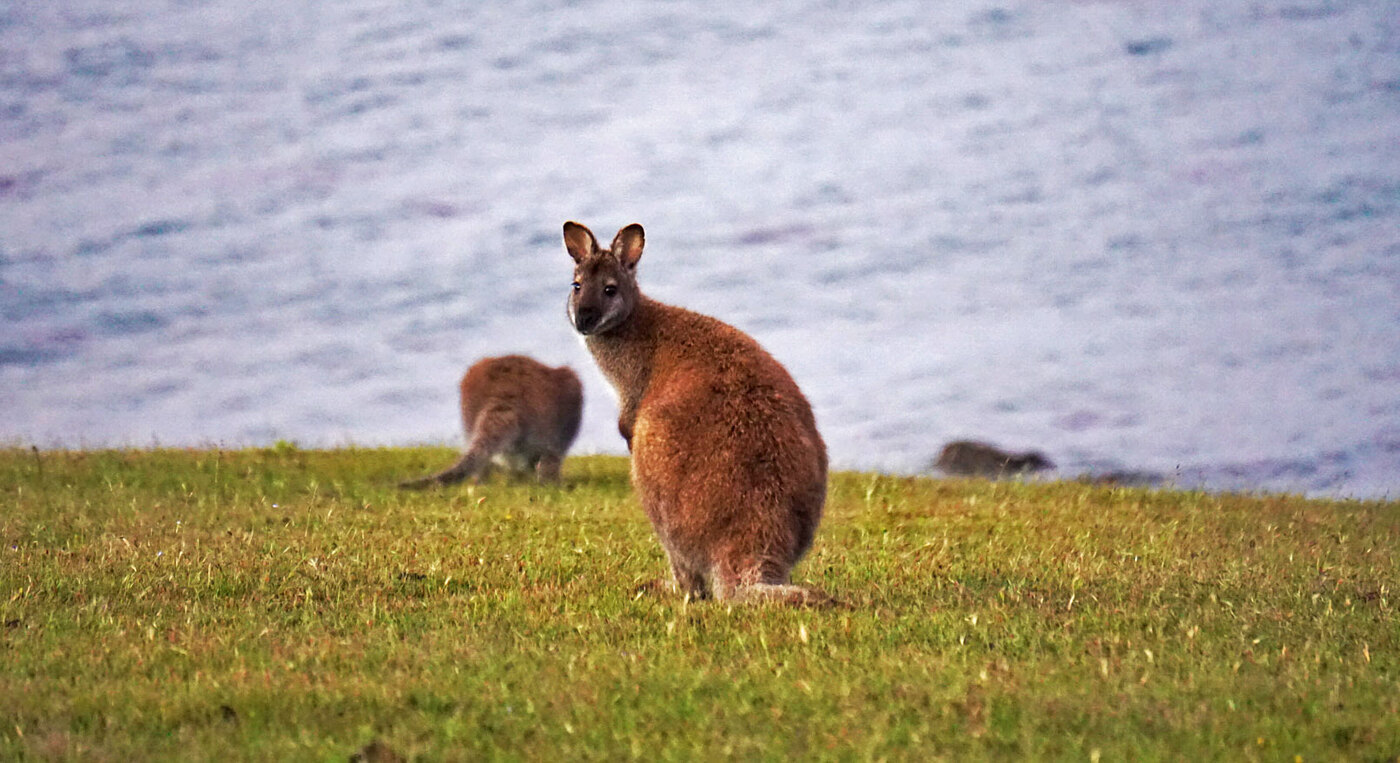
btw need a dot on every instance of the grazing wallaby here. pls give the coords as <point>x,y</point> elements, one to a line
<point>978,459</point>
<point>726,457</point>
<point>518,413</point>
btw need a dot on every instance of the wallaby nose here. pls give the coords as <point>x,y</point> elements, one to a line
<point>586,319</point>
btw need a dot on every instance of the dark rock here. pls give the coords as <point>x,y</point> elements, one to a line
<point>978,459</point>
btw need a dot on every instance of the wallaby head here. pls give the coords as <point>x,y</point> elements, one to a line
<point>605,280</point>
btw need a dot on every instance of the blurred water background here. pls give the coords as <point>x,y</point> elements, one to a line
<point>1134,235</point>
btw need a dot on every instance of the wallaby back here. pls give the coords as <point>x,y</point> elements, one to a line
<point>517,412</point>
<point>726,457</point>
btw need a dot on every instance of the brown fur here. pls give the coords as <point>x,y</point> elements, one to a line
<point>726,457</point>
<point>978,459</point>
<point>517,412</point>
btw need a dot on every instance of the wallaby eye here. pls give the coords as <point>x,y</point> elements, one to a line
<point>610,291</point>
<point>577,286</point>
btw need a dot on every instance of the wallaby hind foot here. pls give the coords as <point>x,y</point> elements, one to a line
<point>786,594</point>
<point>781,594</point>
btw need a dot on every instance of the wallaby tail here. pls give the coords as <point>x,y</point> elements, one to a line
<point>493,430</point>
<point>468,465</point>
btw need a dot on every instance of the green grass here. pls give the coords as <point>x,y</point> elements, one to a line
<point>285,604</point>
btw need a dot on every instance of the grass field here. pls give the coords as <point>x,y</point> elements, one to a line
<point>285,604</point>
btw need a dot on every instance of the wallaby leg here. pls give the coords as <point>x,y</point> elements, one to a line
<point>547,468</point>
<point>493,431</point>
<point>689,581</point>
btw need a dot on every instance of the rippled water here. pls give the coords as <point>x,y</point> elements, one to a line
<point>1142,236</point>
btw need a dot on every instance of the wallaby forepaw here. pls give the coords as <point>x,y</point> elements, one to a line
<point>654,587</point>
<point>666,587</point>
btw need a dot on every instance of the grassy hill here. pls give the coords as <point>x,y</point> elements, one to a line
<point>284,604</point>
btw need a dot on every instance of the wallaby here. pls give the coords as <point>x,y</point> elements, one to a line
<point>726,457</point>
<point>978,459</point>
<point>517,412</point>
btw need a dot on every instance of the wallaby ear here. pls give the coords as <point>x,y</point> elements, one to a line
<point>627,245</point>
<point>579,241</point>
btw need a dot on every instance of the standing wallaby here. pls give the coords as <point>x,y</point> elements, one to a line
<point>517,412</point>
<point>726,457</point>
